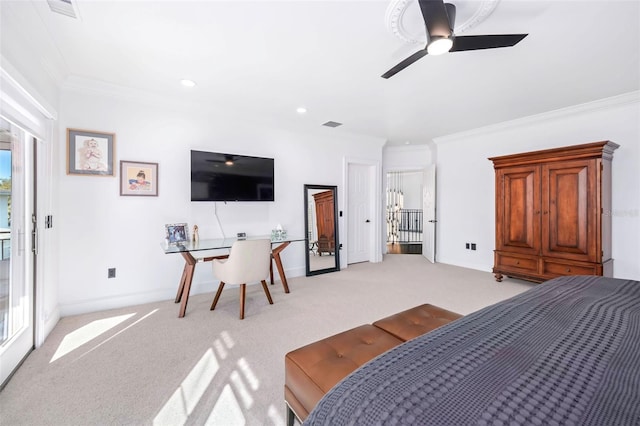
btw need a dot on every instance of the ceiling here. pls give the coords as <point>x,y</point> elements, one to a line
<point>266,58</point>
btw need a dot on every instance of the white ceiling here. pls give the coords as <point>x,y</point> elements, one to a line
<point>266,58</point>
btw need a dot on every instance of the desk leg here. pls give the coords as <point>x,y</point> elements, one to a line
<point>276,257</point>
<point>182,281</point>
<point>271,271</point>
<point>185,283</point>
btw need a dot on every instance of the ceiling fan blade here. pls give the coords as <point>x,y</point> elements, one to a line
<point>480,42</point>
<point>436,18</point>
<point>405,63</point>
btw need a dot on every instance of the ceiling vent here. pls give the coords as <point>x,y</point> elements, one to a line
<point>64,7</point>
<point>332,124</point>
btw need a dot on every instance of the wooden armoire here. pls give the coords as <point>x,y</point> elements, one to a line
<point>553,212</point>
<point>325,220</point>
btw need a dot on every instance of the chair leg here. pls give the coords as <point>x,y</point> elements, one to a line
<point>243,290</point>
<point>266,291</point>
<point>218,293</point>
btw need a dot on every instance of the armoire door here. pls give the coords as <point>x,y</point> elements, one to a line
<point>324,213</point>
<point>518,209</point>
<point>327,216</point>
<point>570,213</point>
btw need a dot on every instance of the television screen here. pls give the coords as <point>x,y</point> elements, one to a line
<point>230,177</point>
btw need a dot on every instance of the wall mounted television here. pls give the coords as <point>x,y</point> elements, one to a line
<point>229,177</point>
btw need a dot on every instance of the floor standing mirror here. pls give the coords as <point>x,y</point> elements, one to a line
<point>321,226</point>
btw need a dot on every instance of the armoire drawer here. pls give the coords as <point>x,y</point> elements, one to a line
<point>560,268</point>
<point>516,263</point>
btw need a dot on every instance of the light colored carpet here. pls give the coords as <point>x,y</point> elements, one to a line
<point>143,365</point>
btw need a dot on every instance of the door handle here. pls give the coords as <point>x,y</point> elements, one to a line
<point>432,221</point>
<point>367,221</point>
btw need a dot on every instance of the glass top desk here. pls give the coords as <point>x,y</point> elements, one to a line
<point>189,251</point>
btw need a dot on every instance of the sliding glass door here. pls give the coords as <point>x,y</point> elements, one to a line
<point>16,257</point>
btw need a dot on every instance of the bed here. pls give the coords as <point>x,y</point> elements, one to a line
<point>565,352</point>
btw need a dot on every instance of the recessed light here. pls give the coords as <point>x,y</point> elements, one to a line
<point>188,83</point>
<point>407,143</point>
<point>301,110</point>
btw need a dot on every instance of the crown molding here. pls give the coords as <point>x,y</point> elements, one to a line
<point>94,87</point>
<point>601,104</point>
<point>394,19</point>
<point>10,76</point>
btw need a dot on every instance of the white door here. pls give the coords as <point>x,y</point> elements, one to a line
<point>429,214</point>
<point>16,285</point>
<point>360,224</point>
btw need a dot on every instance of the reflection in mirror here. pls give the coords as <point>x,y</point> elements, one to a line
<point>321,224</point>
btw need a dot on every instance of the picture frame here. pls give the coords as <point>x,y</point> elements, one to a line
<point>138,178</point>
<point>177,233</point>
<point>90,153</point>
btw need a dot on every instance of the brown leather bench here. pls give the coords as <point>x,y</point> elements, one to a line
<point>312,370</point>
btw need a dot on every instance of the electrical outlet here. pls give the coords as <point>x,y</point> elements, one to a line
<point>111,273</point>
<point>473,246</point>
<point>466,246</point>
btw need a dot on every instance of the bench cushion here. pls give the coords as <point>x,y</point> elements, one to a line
<point>312,370</point>
<point>417,321</point>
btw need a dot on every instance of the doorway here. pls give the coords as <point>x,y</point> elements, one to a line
<point>404,212</point>
<point>16,258</point>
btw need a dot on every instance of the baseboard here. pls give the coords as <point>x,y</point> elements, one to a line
<point>48,325</point>
<point>121,301</point>
<point>482,267</point>
<point>114,302</point>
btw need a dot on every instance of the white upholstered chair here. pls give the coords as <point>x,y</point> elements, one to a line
<point>249,261</point>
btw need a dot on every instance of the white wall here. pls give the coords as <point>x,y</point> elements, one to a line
<point>100,229</point>
<point>465,196</point>
<point>406,157</point>
<point>412,189</point>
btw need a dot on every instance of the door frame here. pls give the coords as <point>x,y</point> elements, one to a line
<point>422,169</point>
<point>375,205</point>
<point>429,221</point>
<point>29,111</point>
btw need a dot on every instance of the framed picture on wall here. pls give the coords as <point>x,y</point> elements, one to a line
<point>138,178</point>
<point>177,233</point>
<point>90,153</point>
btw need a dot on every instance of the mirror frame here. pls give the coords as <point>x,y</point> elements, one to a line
<point>333,189</point>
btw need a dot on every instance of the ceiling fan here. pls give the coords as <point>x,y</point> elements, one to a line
<point>439,18</point>
<point>226,159</point>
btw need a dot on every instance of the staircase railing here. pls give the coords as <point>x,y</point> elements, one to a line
<point>404,226</point>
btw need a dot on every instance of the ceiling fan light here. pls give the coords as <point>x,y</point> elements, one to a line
<point>440,45</point>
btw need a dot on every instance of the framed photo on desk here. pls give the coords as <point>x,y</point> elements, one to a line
<point>177,233</point>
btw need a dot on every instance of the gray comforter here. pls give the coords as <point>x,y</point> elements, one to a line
<point>565,352</point>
